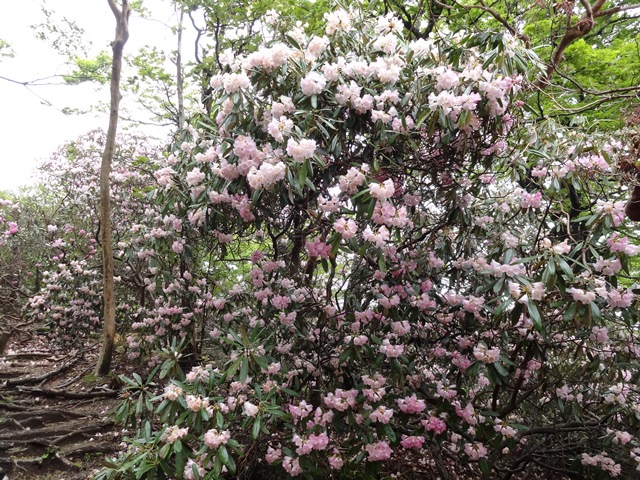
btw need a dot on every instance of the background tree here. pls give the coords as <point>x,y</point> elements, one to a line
<point>588,48</point>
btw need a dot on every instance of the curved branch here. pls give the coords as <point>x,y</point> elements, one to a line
<point>578,30</point>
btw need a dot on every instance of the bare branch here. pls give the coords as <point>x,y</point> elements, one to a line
<point>617,9</point>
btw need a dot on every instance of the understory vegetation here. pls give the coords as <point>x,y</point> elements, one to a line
<point>395,241</point>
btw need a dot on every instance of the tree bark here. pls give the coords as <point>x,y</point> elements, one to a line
<point>179,76</point>
<point>633,205</point>
<point>109,301</point>
<point>573,32</point>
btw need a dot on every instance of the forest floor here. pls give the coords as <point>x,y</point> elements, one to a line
<point>56,419</point>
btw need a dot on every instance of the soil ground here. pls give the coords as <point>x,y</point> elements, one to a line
<point>56,419</point>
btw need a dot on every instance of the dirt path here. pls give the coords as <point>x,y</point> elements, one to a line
<point>55,418</point>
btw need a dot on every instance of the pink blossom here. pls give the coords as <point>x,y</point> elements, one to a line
<point>581,296</point>
<point>269,58</point>
<point>531,200</point>
<point>505,430</point>
<point>319,441</point>
<point>621,299</point>
<point>188,470</point>
<point>607,267</point>
<point>313,83</point>
<point>621,244</point>
<point>435,425</point>
<point>360,340</point>
<point>411,404</point>
<point>379,239</point>
<point>302,410</point>
<point>234,82</point>
<point>614,209</point>
<point>446,78</point>
<point>194,177</point>
<point>391,351</point>
<point>318,248</point>
<point>382,191</point>
<point>486,355</point>
<point>386,43</point>
<point>316,46</point>
<point>279,128</point>
<point>302,150</point>
<point>350,182</point>
<point>378,451</point>
<point>172,392</point>
<point>475,450</point>
<point>196,403</point>
<point>446,391</point>
<point>198,373</point>
<point>265,176</point>
<point>292,466</point>
<point>338,20</point>
<point>346,228</point>
<point>249,409</point>
<point>341,399</point>
<point>303,444</point>
<point>335,461</point>
<point>381,414</point>
<point>413,441</point>
<point>213,438</point>
<point>273,455</point>
<point>280,302</point>
<point>174,433</point>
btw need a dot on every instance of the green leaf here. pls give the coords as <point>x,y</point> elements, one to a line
<point>223,454</point>
<point>389,433</point>
<point>233,368</point>
<point>293,41</point>
<point>255,431</point>
<point>302,177</point>
<point>346,353</point>
<point>535,316</point>
<point>382,264</point>
<point>549,274</point>
<point>484,466</point>
<point>502,307</point>
<point>500,370</point>
<point>164,450</point>
<point>596,316</point>
<point>564,266</point>
<point>219,419</point>
<point>570,312</point>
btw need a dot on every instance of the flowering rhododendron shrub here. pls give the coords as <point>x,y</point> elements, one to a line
<point>9,275</point>
<point>9,227</point>
<point>431,274</point>
<point>70,300</point>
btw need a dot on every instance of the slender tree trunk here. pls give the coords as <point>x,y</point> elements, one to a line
<point>179,76</point>
<point>109,300</point>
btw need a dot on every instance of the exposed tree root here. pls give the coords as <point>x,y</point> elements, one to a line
<point>29,413</point>
<point>22,463</point>
<point>51,422</point>
<point>73,380</point>
<point>41,378</point>
<point>50,392</point>
<point>58,432</point>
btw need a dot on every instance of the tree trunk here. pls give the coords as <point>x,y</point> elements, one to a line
<point>4,339</point>
<point>109,301</point>
<point>179,76</point>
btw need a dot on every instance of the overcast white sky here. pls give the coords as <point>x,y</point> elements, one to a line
<point>30,130</point>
